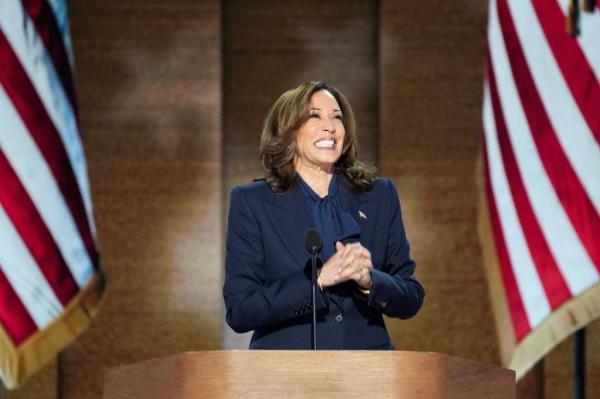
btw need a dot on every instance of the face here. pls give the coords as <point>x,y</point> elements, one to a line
<point>321,138</point>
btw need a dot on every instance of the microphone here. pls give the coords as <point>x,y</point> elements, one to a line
<point>313,243</point>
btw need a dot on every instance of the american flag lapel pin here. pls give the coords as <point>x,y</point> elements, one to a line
<point>362,215</point>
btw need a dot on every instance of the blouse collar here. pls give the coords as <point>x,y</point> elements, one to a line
<point>312,195</point>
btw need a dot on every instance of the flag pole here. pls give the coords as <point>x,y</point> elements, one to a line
<point>579,364</point>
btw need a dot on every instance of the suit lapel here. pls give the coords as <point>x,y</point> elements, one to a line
<point>290,216</point>
<point>363,210</point>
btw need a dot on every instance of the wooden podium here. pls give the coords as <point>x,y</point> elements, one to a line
<point>309,374</point>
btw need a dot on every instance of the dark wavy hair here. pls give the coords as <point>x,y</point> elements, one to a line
<point>278,141</point>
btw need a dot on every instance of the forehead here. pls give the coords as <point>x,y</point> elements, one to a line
<point>324,99</point>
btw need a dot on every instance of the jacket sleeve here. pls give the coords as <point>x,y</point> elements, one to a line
<point>253,299</point>
<point>395,290</point>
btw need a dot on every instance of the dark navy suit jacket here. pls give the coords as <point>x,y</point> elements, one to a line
<point>267,281</point>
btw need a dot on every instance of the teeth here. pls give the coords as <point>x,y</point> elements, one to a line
<point>324,143</point>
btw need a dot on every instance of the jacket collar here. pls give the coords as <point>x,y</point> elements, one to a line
<point>362,209</point>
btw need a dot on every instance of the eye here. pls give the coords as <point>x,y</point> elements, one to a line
<point>317,116</point>
<point>338,117</point>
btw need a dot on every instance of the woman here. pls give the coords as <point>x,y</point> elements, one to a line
<point>313,179</point>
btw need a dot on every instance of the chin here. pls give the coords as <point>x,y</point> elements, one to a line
<point>328,163</point>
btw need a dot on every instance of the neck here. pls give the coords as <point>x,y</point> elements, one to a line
<point>316,177</point>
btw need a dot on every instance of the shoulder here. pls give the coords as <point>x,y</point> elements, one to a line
<point>384,192</point>
<point>382,187</point>
<point>257,187</point>
<point>384,183</point>
<point>256,191</point>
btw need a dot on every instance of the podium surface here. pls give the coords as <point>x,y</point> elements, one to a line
<point>309,374</point>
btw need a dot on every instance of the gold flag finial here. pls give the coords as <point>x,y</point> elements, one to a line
<point>573,18</point>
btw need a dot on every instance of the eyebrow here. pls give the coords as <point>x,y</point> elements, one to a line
<point>319,109</point>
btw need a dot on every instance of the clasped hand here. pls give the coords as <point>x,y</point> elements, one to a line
<point>350,262</point>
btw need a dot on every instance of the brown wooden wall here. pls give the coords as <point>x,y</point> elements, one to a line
<point>172,97</point>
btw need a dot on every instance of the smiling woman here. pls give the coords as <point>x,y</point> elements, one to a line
<point>314,179</point>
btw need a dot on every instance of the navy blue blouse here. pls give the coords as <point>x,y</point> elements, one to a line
<point>334,223</point>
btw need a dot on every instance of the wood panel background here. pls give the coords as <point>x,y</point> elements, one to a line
<point>431,91</point>
<point>172,98</point>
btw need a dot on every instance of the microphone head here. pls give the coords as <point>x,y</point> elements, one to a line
<point>313,241</point>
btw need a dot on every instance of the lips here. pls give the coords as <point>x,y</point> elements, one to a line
<point>325,143</point>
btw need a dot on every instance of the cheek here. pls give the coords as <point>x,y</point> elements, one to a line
<point>343,140</point>
<point>304,146</point>
<point>301,141</point>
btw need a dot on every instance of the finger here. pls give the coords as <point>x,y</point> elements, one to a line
<point>347,251</point>
<point>362,278</point>
<point>357,247</point>
<point>359,250</point>
<point>331,267</point>
<point>354,246</point>
<point>349,262</point>
<point>367,264</point>
<point>365,279</point>
<point>347,276</point>
<point>353,271</point>
<point>365,257</point>
<point>339,251</point>
<point>364,265</point>
<point>347,273</point>
<point>365,252</point>
<point>330,276</point>
<point>362,260</point>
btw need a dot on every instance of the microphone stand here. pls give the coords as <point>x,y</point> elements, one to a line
<point>314,301</point>
<point>313,243</point>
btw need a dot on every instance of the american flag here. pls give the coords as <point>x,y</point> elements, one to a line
<point>540,223</point>
<point>50,281</point>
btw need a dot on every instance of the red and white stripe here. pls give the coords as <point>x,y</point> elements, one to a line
<point>47,233</point>
<point>541,119</point>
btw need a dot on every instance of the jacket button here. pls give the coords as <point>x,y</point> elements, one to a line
<point>339,318</point>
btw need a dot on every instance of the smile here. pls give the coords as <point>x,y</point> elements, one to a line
<point>325,143</point>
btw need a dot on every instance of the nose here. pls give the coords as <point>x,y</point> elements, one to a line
<point>329,126</point>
